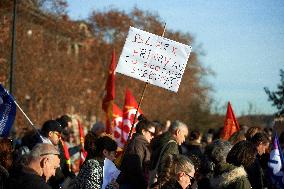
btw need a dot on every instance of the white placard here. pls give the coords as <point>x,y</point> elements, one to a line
<point>153,59</point>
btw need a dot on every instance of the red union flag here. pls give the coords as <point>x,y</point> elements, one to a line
<point>110,94</point>
<point>83,152</point>
<point>117,125</point>
<point>231,125</point>
<point>129,111</point>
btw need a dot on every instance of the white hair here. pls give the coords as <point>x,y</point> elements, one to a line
<point>177,125</point>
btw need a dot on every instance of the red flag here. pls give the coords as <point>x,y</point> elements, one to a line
<point>66,154</point>
<point>110,94</point>
<point>117,123</point>
<point>231,124</point>
<point>129,111</point>
<point>83,153</point>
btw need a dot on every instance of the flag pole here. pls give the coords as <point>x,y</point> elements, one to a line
<point>13,52</point>
<point>142,96</point>
<point>27,117</point>
<point>136,113</point>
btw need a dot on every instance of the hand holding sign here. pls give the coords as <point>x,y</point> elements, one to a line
<point>153,59</point>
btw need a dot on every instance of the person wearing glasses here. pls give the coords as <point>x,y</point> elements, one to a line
<point>51,132</point>
<point>135,164</point>
<point>42,163</point>
<point>178,173</point>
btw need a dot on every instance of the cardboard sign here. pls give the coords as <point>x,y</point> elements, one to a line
<point>153,59</point>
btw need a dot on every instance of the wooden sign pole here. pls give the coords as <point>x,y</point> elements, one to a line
<point>141,99</point>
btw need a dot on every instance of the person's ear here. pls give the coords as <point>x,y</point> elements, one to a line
<point>178,131</point>
<point>49,133</point>
<point>43,161</point>
<point>180,176</point>
<point>105,152</point>
<point>143,131</point>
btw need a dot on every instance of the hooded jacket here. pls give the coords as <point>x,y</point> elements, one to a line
<point>228,176</point>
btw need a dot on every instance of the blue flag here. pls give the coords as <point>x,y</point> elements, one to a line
<point>7,112</point>
<point>276,163</point>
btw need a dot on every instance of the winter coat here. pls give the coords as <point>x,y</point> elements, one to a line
<point>135,164</point>
<point>157,145</point>
<point>171,184</point>
<point>192,148</point>
<point>27,179</point>
<point>90,175</point>
<point>228,176</point>
<point>256,175</point>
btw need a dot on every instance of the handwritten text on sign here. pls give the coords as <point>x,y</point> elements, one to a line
<point>154,59</point>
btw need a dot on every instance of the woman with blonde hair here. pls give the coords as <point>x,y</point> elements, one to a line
<point>178,172</point>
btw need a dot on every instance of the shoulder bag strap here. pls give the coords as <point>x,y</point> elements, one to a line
<point>162,151</point>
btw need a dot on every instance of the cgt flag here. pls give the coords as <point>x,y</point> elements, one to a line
<point>7,112</point>
<point>276,163</point>
<point>231,125</point>
<point>117,122</point>
<point>129,111</point>
<point>109,95</point>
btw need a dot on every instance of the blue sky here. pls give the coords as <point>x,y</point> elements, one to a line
<point>243,41</point>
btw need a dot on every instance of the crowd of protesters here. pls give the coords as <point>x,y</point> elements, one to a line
<point>157,156</point>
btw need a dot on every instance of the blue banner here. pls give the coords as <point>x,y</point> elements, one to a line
<point>7,112</point>
<point>276,163</point>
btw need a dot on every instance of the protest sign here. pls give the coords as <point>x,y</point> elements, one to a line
<point>153,59</point>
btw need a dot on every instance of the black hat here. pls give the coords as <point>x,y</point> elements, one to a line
<point>51,125</point>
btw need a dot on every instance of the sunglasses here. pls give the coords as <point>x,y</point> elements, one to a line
<point>192,179</point>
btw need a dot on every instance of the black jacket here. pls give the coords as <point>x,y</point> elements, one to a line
<point>135,164</point>
<point>27,179</point>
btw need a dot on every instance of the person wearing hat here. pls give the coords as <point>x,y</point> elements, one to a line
<point>98,129</point>
<point>42,163</point>
<point>51,132</point>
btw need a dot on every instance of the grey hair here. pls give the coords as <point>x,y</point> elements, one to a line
<point>218,150</point>
<point>177,125</point>
<point>182,163</point>
<point>174,164</point>
<point>43,149</point>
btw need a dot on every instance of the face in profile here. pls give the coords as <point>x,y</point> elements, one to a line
<point>49,165</point>
<point>186,179</point>
<point>54,137</point>
<point>262,148</point>
<point>149,133</point>
<point>181,135</point>
<point>109,154</point>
